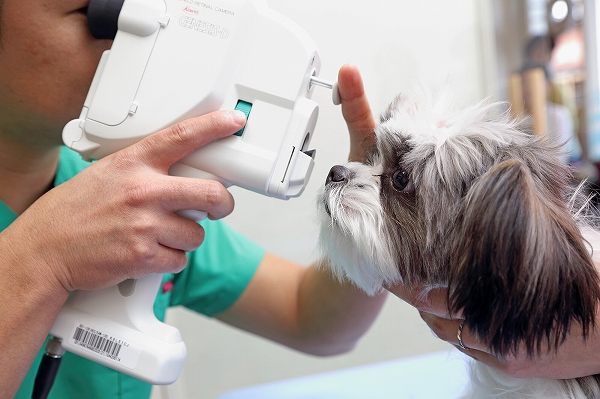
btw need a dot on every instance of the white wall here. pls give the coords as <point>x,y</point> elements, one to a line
<point>394,43</point>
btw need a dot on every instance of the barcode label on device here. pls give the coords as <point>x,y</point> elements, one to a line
<point>104,345</point>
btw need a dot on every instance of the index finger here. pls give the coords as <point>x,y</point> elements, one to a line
<point>356,111</point>
<point>169,145</point>
<point>433,301</point>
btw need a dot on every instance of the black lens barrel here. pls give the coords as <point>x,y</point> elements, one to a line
<point>103,16</point>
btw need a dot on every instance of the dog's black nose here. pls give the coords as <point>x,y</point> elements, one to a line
<point>338,174</point>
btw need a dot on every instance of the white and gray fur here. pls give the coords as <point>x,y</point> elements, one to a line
<point>465,199</point>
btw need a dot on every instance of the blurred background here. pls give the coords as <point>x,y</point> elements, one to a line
<point>484,48</point>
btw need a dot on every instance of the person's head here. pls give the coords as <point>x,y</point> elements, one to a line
<point>538,50</point>
<point>529,73</point>
<point>47,62</point>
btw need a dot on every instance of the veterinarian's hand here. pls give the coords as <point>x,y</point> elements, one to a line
<point>356,112</point>
<point>575,358</point>
<point>115,220</point>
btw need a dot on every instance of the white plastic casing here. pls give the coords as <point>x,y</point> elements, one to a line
<point>193,60</point>
<point>172,60</point>
<point>117,327</point>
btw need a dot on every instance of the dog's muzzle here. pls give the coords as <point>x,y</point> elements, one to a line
<point>338,175</point>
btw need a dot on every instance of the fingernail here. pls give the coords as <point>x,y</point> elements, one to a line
<point>238,117</point>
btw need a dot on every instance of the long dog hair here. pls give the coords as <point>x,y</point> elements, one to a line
<point>466,199</point>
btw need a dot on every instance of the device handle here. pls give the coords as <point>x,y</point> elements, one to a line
<point>191,214</point>
<point>93,324</point>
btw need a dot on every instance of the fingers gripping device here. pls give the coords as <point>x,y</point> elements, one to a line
<point>171,60</point>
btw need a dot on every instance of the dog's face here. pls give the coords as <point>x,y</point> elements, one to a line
<point>455,199</point>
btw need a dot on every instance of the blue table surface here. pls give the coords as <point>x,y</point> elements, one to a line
<point>439,375</point>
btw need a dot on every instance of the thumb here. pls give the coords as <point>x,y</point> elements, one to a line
<point>356,111</point>
<point>355,105</point>
<point>164,148</point>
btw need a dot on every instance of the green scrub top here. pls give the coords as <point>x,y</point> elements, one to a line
<point>216,275</point>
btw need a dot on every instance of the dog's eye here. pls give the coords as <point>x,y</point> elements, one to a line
<point>400,180</point>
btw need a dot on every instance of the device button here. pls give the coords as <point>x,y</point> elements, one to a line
<point>245,107</point>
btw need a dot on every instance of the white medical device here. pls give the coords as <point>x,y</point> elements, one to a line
<point>171,60</point>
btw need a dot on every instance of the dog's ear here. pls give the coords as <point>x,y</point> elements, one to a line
<point>520,271</point>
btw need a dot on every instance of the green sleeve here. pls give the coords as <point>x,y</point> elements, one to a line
<point>218,271</point>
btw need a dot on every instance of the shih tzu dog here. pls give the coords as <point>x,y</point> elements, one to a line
<point>465,199</point>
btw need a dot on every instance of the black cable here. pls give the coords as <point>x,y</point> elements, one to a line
<point>48,369</point>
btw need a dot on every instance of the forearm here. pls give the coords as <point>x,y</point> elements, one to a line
<point>333,316</point>
<point>29,307</point>
<point>303,308</point>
